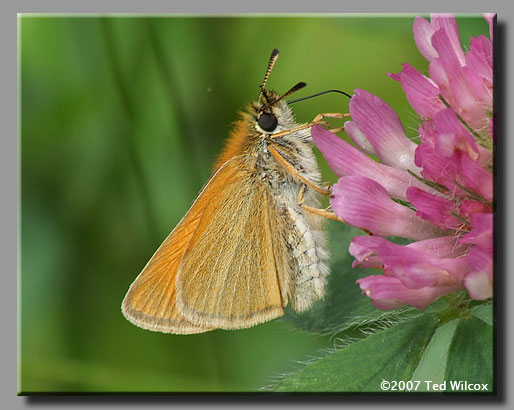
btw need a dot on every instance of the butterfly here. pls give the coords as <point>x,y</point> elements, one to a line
<point>252,241</point>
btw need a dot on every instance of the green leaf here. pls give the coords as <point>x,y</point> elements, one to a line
<point>470,357</point>
<point>484,312</point>
<point>388,354</point>
<point>432,366</point>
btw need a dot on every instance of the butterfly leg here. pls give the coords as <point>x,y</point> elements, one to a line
<point>273,149</point>
<point>325,213</point>
<point>301,127</point>
<point>339,115</point>
<point>318,119</point>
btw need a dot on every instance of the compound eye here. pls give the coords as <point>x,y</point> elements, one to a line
<point>268,121</point>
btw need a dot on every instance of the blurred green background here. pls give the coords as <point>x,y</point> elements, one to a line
<point>121,120</point>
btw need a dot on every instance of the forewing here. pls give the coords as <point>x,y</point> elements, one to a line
<point>228,276</point>
<point>150,302</point>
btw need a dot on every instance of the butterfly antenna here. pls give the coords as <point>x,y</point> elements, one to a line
<point>272,60</point>
<point>293,89</point>
<point>318,94</point>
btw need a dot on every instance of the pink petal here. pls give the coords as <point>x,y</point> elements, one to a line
<point>457,90</point>
<point>414,267</point>
<point>433,208</point>
<point>479,57</point>
<point>423,32</point>
<point>491,19</point>
<point>411,276</point>
<point>483,91</point>
<point>448,24</point>
<point>439,154</point>
<point>477,178</point>
<point>438,168</point>
<point>344,159</point>
<point>358,137</point>
<point>485,157</point>
<point>383,129</point>
<point>439,75</point>
<point>479,282</point>
<point>364,203</point>
<point>479,285</point>
<point>453,80</point>
<point>421,91</point>
<point>479,70</point>
<point>389,293</point>
<point>452,136</point>
<point>469,207</point>
<point>420,274</point>
<point>442,247</point>
<point>480,260</point>
<point>363,249</point>
<point>482,232</point>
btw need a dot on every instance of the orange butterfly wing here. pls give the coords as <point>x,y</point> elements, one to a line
<point>228,277</point>
<point>218,267</point>
<point>150,302</point>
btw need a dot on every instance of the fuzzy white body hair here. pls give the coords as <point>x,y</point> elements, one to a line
<point>301,230</point>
